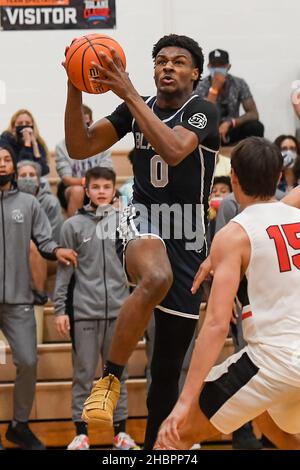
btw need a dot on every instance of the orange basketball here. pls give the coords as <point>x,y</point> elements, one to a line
<point>82,53</point>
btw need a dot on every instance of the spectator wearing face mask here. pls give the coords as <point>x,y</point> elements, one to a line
<point>23,137</point>
<point>290,150</point>
<point>29,181</point>
<point>71,190</point>
<point>229,93</point>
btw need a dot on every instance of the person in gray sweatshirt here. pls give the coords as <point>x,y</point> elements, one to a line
<point>88,298</point>
<point>21,219</point>
<point>29,181</point>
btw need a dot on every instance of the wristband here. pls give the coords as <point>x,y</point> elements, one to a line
<point>213,91</point>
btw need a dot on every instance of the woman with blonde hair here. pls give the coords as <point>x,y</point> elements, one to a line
<point>23,136</point>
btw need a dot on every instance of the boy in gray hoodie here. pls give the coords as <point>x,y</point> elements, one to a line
<point>21,219</point>
<point>88,299</point>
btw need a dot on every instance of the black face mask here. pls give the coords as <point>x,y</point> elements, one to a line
<point>4,179</point>
<point>19,130</point>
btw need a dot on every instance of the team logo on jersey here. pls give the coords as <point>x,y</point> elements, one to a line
<point>198,120</point>
<point>17,216</point>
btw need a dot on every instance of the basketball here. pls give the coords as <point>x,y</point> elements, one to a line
<point>82,53</point>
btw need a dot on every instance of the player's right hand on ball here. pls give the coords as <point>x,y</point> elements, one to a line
<point>66,51</point>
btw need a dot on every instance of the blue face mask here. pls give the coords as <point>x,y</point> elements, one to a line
<point>289,158</point>
<point>222,70</point>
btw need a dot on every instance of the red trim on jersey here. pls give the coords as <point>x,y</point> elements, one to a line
<point>246,315</point>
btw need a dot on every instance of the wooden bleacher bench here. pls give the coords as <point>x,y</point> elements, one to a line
<point>55,363</point>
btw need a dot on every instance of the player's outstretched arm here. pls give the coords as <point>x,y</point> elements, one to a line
<point>229,255</point>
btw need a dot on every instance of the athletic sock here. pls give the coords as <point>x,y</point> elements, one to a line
<point>114,369</point>
<point>81,428</point>
<point>120,426</point>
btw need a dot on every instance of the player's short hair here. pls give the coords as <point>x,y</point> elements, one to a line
<point>258,164</point>
<point>174,40</point>
<point>100,172</point>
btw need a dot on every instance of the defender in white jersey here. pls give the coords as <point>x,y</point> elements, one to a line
<point>262,381</point>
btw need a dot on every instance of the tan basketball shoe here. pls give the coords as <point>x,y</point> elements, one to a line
<point>100,405</point>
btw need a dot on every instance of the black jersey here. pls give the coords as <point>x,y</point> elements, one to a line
<point>189,182</point>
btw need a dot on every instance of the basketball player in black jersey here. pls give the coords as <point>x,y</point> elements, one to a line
<point>162,234</point>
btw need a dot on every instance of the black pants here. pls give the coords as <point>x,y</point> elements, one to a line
<point>249,129</point>
<point>173,335</point>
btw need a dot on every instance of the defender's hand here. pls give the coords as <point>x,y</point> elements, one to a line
<point>168,435</point>
<point>203,271</point>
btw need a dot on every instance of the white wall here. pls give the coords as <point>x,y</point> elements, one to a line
<point>262,37</point>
